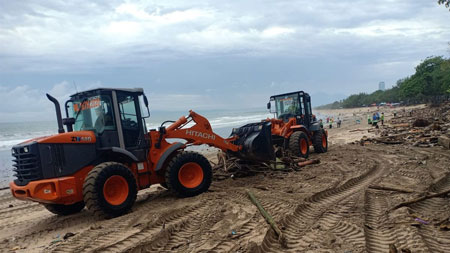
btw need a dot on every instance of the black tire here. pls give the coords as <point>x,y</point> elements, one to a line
<point>320,145</point>
<point>93,190</point>
<point>295,146</point>
<point>65,209</point>
<point>173,169</point>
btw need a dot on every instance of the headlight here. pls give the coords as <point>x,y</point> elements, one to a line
<point>13,151</point>
<point>25,149</point>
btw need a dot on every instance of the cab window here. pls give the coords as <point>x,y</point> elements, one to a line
<point>129,119</point>
<point>93,114</point>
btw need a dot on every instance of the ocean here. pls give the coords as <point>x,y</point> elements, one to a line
<point>222,123</point>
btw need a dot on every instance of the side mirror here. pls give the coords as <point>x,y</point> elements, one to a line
<point>268,106</point>
<point>144,98</point>
<point>145,101</point>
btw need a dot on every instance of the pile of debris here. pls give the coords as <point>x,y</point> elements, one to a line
<point>229,166</point>
<point>425,127</point>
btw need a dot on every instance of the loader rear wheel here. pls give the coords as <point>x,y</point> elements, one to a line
<point>109,190</point>
<point>299,144</point>
<point>188,174</point>
<point>320,142</point>
<point>65,209</point>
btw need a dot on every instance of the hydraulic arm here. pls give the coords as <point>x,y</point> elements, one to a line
<point>200,133</point>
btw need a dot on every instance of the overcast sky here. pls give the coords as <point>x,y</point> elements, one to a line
<point>210,54</point>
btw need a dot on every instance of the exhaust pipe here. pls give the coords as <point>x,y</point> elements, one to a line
<point>58,113</point>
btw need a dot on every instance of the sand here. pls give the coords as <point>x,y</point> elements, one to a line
<point>329,207</point>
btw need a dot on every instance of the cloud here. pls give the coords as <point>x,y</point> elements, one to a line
<point>26,103</point>
<point>82,31</point>
<point>234,51</point>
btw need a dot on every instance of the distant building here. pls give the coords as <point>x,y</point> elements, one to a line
<point>381,86</point>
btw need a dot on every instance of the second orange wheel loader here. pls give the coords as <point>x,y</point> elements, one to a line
<point>106,154</point>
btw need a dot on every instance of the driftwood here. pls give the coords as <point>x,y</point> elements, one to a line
<point>308,162</point>
<point>400,125</point>
<point>407,203</point>
<point>358,130</point>
<point>264,213</point>
<point>383,188</point>
<point>391,142</point>
<point>267,216</point>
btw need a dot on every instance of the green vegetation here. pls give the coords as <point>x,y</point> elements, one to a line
<point>445,2</point>
<point>432,79</point>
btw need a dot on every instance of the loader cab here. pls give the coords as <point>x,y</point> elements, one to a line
<point>114,115</point>
<point>294,104</point>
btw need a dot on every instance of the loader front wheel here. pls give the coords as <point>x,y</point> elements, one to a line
<point>65,209</point>
<point>109,190</point>
<point>188,174</point>
<point>320,142</point>
<point>299,144</point>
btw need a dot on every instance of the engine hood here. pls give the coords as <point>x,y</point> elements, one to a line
<point>70,137</point>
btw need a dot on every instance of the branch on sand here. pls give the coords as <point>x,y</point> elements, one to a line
<point>407,203</point>
<point>268,218</point>
<point>383,188</point>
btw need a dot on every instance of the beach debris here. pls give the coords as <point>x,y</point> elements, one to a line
<point>422,221</point>
<point>17,248</point>
<point>308,162</point>
<point>268,218</point>
<point>68,235</point>
<point>234,167</point>
<point>383,188</point>
<point>421,123</point>
<point>435,195</point>
<point>392,248</point>
<point>10,206</point>
<point>444,141</point>
<point>425,127</point>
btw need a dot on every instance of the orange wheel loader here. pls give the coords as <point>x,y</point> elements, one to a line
<point>106,154</point>
<point>294,128</point>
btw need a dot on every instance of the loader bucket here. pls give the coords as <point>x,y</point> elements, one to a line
<point>256,142</point>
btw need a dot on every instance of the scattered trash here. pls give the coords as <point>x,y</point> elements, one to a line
<point>55,241</point>
<point>10,206</point>
<point>445,227</point>
<point>233,232</point>
<point>68,235</point>
<point>392,248</point>
<point>424,127</point>
<point>422,221</point>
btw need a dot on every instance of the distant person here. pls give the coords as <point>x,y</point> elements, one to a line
<point>382,118</point>
<point>375,120</point>
<point>339,122</point>
<point>331,123</point>
<point>321,123</point>
<point>369,120</point>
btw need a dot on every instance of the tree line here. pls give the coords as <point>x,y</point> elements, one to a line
<point>430,81</point>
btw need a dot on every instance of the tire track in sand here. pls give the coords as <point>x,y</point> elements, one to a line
<point>380,234</point>
<point>305,215</point>
<point>436,239</point>
<point>121,233</point>
<point>178,236</point>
